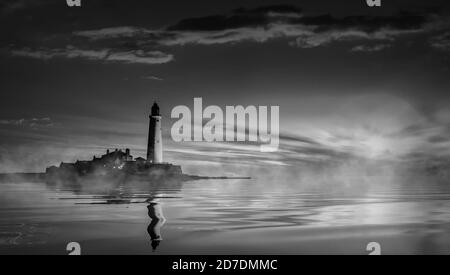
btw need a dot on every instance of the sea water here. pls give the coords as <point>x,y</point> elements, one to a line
<point>221,217</point>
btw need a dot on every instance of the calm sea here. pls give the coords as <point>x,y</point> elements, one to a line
<point>221,217</point>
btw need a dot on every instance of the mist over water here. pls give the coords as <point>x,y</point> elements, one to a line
<point>287,210</point>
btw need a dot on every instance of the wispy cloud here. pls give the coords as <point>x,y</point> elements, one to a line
<point>105,55</point>
<point>152,77</point>
<point>114,32</point>
<point>370,48</point>
<point>28,122</point>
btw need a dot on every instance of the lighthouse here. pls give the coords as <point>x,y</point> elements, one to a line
<point>154,148</point>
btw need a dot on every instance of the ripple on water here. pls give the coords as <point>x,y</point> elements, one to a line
<point>23,234</point>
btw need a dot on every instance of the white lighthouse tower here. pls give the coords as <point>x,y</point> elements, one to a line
<point>154,148</point>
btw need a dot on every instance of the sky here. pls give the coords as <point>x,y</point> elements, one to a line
<point>352,82</point>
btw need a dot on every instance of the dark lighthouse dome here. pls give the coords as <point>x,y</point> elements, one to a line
<point>155,109</point>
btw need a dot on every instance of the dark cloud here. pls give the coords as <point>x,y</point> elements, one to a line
<point>240,18</point>
<point>267,23</point>
<point>140,44</point>
<point>264,16</point>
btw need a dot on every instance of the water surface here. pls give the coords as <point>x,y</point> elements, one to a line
<point>220,217</point>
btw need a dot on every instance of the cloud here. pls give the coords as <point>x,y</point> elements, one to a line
<point>367,126</point>
<point>69,52</point>
<point>293,151</point>
<point>106,55</point>
<point>239,18</point>
<point>32,122</point>
<point>140,56</point>
<point>441,42</point>
<point>431,136</point>
<point>144,45</point>
<point>372,48</point>
<point>439,139</point>
<point>115,32</point>
<point>152,77</point>
<point>268,23</point>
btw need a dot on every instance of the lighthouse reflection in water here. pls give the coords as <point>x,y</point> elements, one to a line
<point>128,193</point>
<point>155,213</point>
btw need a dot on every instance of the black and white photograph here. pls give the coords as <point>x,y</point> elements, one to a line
<point>234,127</point>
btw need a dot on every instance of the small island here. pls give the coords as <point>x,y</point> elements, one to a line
<point>118,164</point>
